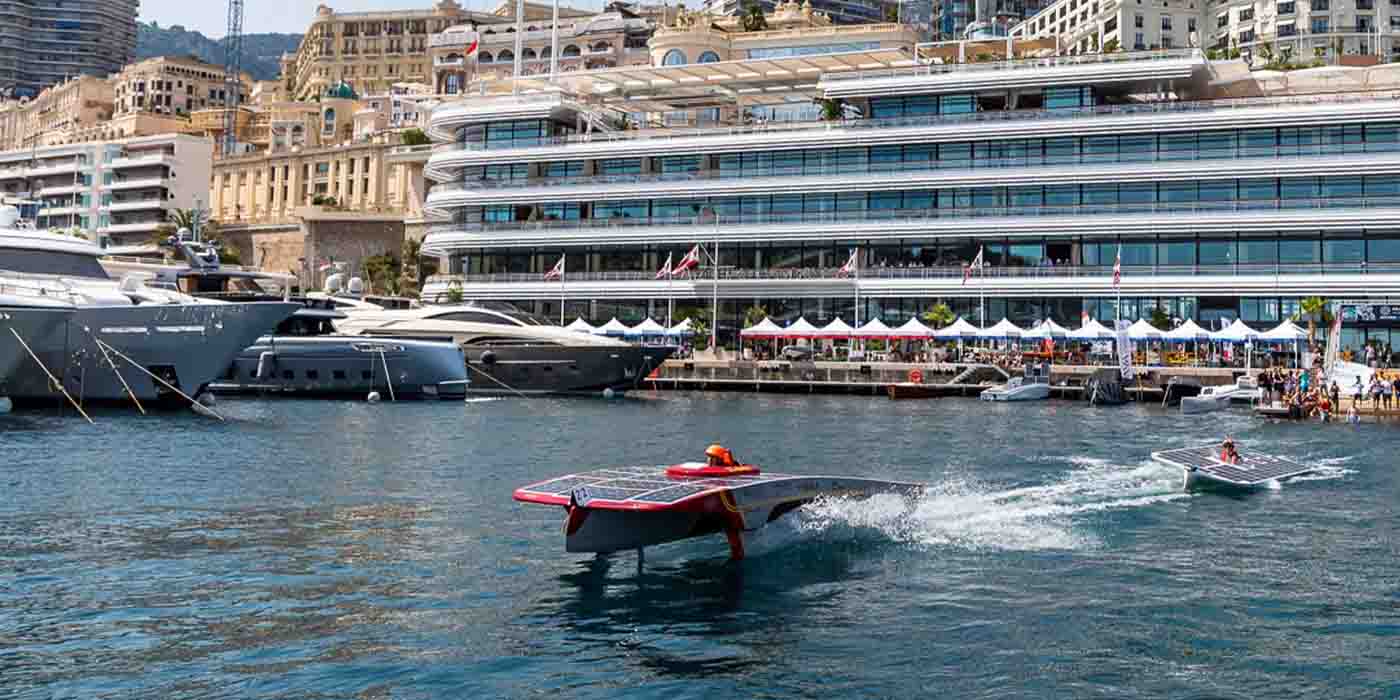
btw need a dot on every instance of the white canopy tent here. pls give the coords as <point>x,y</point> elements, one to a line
<point>1045,330</point>
<point>580,326</point>
<point>763,329</point>
<point>1004,329</point>
<point>1236,332</point>
<point>647,329</point>
<point>913,328</point>
<point>1142,330</point>
<point>1187,332</point>
<point>683,328</point>
<point>874,328</point>
<point>1093,330</point>
<point>957,329</point>
<point>835,329</point>
<point>613,327</point>
<point>800,329</point>
<point>1286,332</point>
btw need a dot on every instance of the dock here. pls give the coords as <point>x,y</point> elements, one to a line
<point>873,378</point>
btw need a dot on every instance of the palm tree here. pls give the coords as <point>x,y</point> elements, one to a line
<point>753,19</point>
<point>192,219</point>
<point>832,110</point>
<point>454,294</point>
<point>939,315</point>
<point>1314,309</point>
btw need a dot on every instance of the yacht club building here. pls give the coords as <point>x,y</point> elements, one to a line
<point>1052,168</point>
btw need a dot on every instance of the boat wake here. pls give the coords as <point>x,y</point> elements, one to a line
<point>1327,470</point>
<point>966,514</point>
<point>483,399</point>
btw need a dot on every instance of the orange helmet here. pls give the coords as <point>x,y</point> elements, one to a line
<point>716,450</point>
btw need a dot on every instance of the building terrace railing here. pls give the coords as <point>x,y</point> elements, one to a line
<point>917,216</point>
<point>1120,57</point>
<point>940,272</point>
<point>1018,115</point>
<point>1230,156</point>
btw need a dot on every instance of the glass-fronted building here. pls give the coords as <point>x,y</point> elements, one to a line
<point>1051,168</point>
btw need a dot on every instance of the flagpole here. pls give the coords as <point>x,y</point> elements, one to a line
<point>1118,286</point>
<point>562,263</point>
<point>856,269</point>
<point>714,309</point>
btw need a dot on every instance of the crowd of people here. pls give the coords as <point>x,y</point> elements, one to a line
<point>1309,394</point>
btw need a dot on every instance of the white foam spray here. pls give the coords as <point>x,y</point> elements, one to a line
<point>964,513</point>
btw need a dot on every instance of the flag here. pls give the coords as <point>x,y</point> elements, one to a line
<point>1083,318</point>
<point>665,270</point>
<point>691,259</point>
<point>557,272</point>
<point>850,266</point>
<point>976,264</point>
<point>1118,267</point>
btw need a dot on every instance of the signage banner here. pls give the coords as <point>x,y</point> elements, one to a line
<point>1125,350</point>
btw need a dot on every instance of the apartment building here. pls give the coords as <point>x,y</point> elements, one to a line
<point>121,189</point>
<point>45,42</point>
<point>1296,32</point>
<point>840,11</point>
<point>78,103</point>
<point>173,85</point>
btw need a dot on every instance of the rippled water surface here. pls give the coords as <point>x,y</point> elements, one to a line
<point>343,550</point>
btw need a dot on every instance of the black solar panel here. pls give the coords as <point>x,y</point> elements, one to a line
<point>1253,468</point>
<point>642,484</point>
<point>673,493</point>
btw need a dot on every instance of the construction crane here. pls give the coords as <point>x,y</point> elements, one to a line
<point>233,68</point>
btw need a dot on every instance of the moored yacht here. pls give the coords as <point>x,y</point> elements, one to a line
<point>121,333</point>
<point>1033,385</point>
<point>511,352</point>
<point>25,314</point>
<point>304,355</point>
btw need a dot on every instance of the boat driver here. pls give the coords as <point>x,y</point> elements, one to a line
<point>718,455</point>
<point>1228,453</point>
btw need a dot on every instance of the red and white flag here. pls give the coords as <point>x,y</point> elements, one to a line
<point>1118,267</point>
<point>691,260</point>
<point>557,272</point>
<point>665,270</point>
<point>976,264</point>
<point>851,265</point>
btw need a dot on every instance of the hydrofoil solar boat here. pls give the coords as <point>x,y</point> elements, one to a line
<point>623,508</point>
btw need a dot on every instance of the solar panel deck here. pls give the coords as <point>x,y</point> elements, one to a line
<point>1253,469</point>
<point>633,486</point>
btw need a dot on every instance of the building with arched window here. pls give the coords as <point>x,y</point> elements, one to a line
<point>793,29</point>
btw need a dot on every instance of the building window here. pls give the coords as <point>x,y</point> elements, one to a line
<point>1319,25</point>
<point>1137,21</point>
<point>674,57</point>
<point>1246,14</point>
<point>1287,8</point>
<point>708,57</point>
<point>1166,23</point>
<point>1138,43</point>
<point>1222,21</point>
<point>1190,24</point>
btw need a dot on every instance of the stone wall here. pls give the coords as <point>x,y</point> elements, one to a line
<point>321,236</point>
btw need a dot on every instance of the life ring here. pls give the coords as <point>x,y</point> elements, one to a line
<point>916,376</point>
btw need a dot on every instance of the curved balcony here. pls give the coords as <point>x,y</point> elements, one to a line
<point>1342,214</point>
<point>1304,110</point>
<point>1005,172</point>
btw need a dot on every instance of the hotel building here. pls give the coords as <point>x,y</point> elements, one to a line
<point>46,42</point>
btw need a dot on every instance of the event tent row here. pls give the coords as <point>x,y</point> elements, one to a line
<point>1237,332</point>
<point>645,329</point>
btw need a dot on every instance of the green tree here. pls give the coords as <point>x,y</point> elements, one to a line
<point>832,110</point>
<point>753,19</point>
<point>414,137</point>
<point>1314,309</point>
<point>754,315</point>
<point>1266,52</point>
<point>453,294</point>
<point>1113,46</point>
<point>939,316</point>
<point>1160,320</point>
<point>891,13</point>
<point>382,271</point>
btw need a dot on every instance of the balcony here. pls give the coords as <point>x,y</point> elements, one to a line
<point>137,227</point>
<point>143,160</point>
<point>135,204</point>
<point>954,272</point>
<point>134,183</point>
<point>1004,117</point>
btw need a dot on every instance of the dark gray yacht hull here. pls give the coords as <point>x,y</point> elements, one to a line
<point>544,370</point>
<point>188,345</point>
<point>32,324</point>
<point>338,366</point>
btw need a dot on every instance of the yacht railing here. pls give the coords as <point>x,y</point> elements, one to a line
<point>1231,156</point>
<point>1018,115</point>
<point>914,217</point>
<point>942,272</point>
<point>26,285</point>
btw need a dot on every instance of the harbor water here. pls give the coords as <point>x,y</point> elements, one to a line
<point>321,549</point>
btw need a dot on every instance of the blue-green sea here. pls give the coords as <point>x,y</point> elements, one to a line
<point>319,549</point>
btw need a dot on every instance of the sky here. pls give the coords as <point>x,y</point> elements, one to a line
<point>210,17</point>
